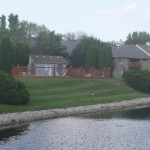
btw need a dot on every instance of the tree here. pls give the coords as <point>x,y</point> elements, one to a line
<point>91,57</point>
<point>79,53</point>
<point>108,56</point>
<point>49,43</point>
<point>91,52</point>
<point>69,36</point>
<point>27,33</point>
<point>20,55</point>
<point>138,79</point>
<point>12,91</point>
<point>39,39</point>
<point>6,55</point>
<point>3,22</point>
<point>3,30</point>
<point>12,55</point>
<point>13,28</point>
<point>77,56</point>
<point>13,21</point>
<point>102,58</point>
<point>138,38</point>
<point>105,55</point>
<point>80,35</point>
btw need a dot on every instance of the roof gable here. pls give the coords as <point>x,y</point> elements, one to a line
<point>128,51</point>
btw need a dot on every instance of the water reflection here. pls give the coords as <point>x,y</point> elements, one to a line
<point>12,131</point>
<point>117,130</point>
<point>136,113</point>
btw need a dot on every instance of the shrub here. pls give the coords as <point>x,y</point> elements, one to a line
<point>138,79</point>
<point>12,91</point>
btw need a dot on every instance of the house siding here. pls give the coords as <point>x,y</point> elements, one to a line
<point>48,65</point>
<point>130,56</point>
<point>120,67</point>
<point>146,65</point>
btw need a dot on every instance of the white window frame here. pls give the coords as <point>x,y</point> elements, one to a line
<point>121,60</point>
<point>121,71</point>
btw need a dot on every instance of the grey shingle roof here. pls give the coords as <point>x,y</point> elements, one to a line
<point>145,47</point>
<point>128,51</point>
<point>49,59</point>
<point>70,45</point>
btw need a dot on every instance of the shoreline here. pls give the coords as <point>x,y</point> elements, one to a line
<point>28,116</point>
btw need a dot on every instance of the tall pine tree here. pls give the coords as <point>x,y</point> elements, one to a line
<point>90,58</point>
<point>6,55</point>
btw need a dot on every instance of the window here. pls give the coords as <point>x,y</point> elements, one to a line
<point>120,71</point>
<point>121,60</point>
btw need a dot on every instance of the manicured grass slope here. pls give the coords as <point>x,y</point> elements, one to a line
<point>58,93</point>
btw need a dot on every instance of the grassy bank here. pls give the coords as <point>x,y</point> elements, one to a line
<point>58,93</point>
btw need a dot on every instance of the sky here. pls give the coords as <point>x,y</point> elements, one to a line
<point>107,20</point>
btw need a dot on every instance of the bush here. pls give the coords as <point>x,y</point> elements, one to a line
<point>138,79</point>
<point>12,91</point>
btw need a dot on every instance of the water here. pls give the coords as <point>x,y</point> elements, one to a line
<point>122,130</point>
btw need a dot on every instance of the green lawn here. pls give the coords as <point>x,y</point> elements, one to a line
<point>58,93</point>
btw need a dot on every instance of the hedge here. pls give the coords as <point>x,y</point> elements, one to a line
<point>12,91</point>
<point>138,79</point>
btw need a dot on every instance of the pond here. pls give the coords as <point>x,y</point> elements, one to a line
<point>117,130</point>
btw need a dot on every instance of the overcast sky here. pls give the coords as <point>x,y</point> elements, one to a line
<point>105,19</point>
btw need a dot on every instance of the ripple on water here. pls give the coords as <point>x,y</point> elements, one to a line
<point>80,133</point>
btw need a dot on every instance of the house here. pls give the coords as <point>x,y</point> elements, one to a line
<point>47,65</point>
<point>126,56</point>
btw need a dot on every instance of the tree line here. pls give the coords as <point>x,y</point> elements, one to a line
<point>19,39</point>
<point>39,39</point>
<point>138,38</point>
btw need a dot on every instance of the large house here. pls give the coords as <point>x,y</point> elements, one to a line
<point>48,65</point>
<point>127,56</point>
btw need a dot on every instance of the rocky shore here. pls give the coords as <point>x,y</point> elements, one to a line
<point>20,117</point>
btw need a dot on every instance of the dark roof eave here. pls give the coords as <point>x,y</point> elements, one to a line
<point>130,57</point>
<point>50,62</point>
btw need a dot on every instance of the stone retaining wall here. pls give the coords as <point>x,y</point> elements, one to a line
<point>20,117</point>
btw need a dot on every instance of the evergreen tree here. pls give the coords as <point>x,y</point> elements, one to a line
<point>108,57</point>
<point>3,22</point>
<point>79,53</point>
<point>3,30</point>
<point>102,58</point>
<point>91,52</point>
<point>6,55</point>
<point>90,58</point>
<point>20,55</point>
<point>13,21</point>
<point>138,38</point>
<point>77,56</point>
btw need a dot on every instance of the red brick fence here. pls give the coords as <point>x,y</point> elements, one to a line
<point>53,72</point>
